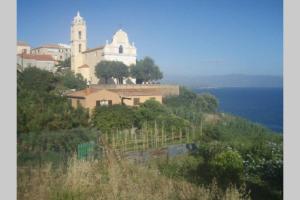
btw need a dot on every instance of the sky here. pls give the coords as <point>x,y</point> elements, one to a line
<point>184,37</point>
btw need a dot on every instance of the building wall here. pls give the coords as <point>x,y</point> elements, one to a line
<point>75,102</point>
<point>85,72</point>
<point>90,100</point>
<point>57,53</point>
<point>101,95</point>
<point>45,65</point>
<point>119,42</point>
<point>78,42</point>
<point>111,51</point>
<point>92,59</point>
<point>165,90</point>
<point>23,49</point>
<point>142,99</point>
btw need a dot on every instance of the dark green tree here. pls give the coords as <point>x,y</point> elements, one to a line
<point>40,107</point>
<point>65,64</point>
<point>72,81</point>
<point>111,118</point>
<point>146,70</point>
<point>111,69</point>
<point>120,70</point>
<point>33,78</point>
<point>228,167</point>
<point>103,70</point>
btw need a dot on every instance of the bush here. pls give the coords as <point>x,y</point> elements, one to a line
<point>111,118</point>
<point>52,146</point>
<point>190,105</point>
<point>228,167</point>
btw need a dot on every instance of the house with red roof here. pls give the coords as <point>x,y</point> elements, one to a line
<point>45,62</point>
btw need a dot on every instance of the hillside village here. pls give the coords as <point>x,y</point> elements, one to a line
<point>96,123</point>
<point>83,61</point>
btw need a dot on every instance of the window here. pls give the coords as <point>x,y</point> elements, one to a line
<point>79,35</point>
<point>136,101</point>
<point>78,102</point>
<point>79,48</point>
<point>104,103</point>
<point>97,103</point>
<point>120,49</point>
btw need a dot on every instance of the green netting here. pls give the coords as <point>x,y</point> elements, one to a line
<point>85,150</point>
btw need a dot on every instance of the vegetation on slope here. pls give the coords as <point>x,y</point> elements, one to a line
<point>231,150</point>
<point>112,178</point>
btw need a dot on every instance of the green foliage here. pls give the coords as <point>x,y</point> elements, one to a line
<point>54,146</point>
<point>104,70</point>
<point>208,151</point>
<point>146,70</point>
<point>71,81</point>
<point>181,167</point>
<point>191,106</point>
<point>227,167</point>
<point>150,110</point>
<point>109,69</point>
<point>153,113</point>
<point>39,107</point>
<point>38,80</point>
<point>64,64</point>
<point>111,118</point>
<point>211,133</point>
<point>230,149</point>
<point>120,70</point>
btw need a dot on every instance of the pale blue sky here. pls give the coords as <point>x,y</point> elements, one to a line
<point>190,37</point>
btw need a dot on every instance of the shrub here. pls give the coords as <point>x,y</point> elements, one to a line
<point>227,167</point>
<point>111,118</point>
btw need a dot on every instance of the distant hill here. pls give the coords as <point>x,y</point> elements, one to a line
<point>231,80</point>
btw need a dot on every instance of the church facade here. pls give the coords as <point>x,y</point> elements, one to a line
<point>84,60</point>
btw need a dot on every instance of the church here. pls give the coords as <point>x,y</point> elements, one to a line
<point>84,60</point>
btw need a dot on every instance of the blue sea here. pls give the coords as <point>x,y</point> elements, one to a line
<point>260,105</point>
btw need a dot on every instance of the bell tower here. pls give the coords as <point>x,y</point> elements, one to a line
<point>78,42</point>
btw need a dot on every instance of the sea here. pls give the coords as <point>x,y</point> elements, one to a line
<point>260,105</point>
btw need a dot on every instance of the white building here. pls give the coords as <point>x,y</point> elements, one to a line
<point>23,47</point>
<point>45,62</point>
<point>59,52</point>
<point>84,60</point>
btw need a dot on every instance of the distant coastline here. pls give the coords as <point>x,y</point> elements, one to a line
<point>261,105</point>
<point>226,81</point>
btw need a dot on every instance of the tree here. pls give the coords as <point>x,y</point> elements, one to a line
<point>36,79</point>
<point>228,167</point>
<point>72,81</point>
<point>111,69</point>
<point>39,107</point>
<point>146,70</point>
<point>120,70</point>
<point>64,64</point>
<point>110,118</point>
<point>104,70</point>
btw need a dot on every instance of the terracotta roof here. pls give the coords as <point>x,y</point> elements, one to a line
<point>84,66</point>
<point>21,43</point>
<point>82,93</point>
<point>93,49</point>
<point>137,92</point>
<point>52,46</point>
<point>37,57</point>
<point>121,92</point>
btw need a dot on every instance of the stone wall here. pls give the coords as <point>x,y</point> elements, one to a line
<point>164,90</point>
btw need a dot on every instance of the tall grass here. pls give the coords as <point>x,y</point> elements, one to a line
<point>111,178</point>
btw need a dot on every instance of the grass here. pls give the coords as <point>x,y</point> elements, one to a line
<point>111,178</point>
